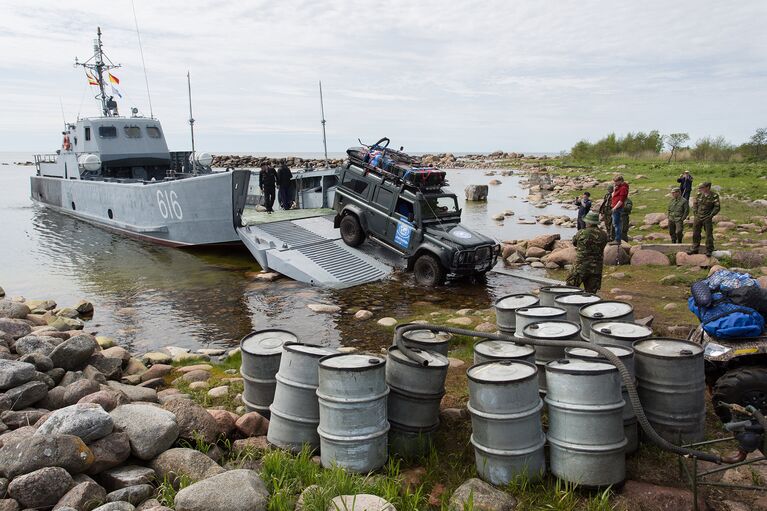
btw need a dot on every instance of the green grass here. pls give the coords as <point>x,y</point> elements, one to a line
<point>167,490</point>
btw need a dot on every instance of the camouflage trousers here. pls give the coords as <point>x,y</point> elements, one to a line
<point>608,220</point>
<point>697,228</point>
<point>591,281</point>
<point>676,230</point>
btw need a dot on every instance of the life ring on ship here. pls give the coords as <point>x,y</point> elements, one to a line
<point>66,144</point>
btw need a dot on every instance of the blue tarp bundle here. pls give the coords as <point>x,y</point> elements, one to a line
<point>718,316</point>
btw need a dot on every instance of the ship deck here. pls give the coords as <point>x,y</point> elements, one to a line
<point>252,217</point>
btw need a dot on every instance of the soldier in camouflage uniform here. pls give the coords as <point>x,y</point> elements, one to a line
<point>705,208</point>
<point>678,211</point>
<point>590,246</point>
<point>606,212</point>
<point>627,207</point>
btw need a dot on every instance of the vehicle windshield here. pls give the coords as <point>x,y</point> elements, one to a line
<point>438,207</point>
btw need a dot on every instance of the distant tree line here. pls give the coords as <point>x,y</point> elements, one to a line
<point>650,145</point>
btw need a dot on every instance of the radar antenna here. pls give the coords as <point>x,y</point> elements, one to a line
<point>98,64</point>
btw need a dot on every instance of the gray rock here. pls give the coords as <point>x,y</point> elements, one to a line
<point>151,430</point>
<point>44,378</point>
<point>18,419</point>
<point>94,374</point>
<point>35,452</point>
<point>26,394</point>
<point>16,435</point>
<point>88,421</point>
<point>74,353</point>
<point>135,393</point>
<point>54,399</point>
<point>173,397</point>
<point>177,462</point>
<point>134,494</point>
<point>41,362</point>
<point>116,506</point>
<point>13,374</point>
<point>78,390</point>
<point>56,374</point>
<point>111,368</point>
<point>236,490</point>
<point>193,420</point>
<point>361,502</point>
<point>128,475</point>
<point>30,344</point>
<point>9,505</point>
<point>82,497</point>
<point>109,452</point>
<point>197,375</point>
<point>16,328</point>
<point>70,377</point>
<point>484,496</point>
<point>41,488</point>
<point>13,310</point>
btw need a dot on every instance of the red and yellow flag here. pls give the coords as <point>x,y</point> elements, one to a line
<point>113,79</point>
<point>91,79</point>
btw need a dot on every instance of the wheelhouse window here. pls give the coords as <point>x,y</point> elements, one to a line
<point>132,131</point>
<point>153,131</point>
<point>87,133</point>
<point>107,132</point>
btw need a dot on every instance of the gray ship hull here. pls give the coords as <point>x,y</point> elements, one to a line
<point>197,210</point>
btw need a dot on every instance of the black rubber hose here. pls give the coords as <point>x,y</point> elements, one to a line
<point>606,353</point>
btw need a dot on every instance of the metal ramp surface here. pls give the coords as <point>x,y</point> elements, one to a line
<point>310,250</point>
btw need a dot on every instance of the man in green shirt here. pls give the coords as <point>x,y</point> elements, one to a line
<point>678,211</point>
<point>589,260</point>
<point>705,208</point>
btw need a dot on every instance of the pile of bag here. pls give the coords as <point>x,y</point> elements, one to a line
<point>395,164</point>
<point>729,304</point>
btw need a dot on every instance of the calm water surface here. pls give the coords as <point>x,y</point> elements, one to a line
<point>147,296</point>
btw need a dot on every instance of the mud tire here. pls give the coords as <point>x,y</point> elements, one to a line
<point>745,385</point>
<point>351,231</point>
<point>428,271</point>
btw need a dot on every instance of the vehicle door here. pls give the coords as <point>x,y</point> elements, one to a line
<point>402,225</point>
<point>379,210</point>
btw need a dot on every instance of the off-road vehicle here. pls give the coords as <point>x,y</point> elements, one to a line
<point>386,196</point>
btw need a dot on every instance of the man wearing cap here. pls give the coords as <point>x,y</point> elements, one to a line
<point>584,206</point>
<point>678,211</point>
<point>705,208</point>
<point>685,183</point>
<point>589,260</point>
<point>605,211</point>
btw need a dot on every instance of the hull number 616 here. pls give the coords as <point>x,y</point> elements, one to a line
<point>168,204</point>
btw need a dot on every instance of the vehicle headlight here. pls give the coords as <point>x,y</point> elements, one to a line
<point>713,349</point>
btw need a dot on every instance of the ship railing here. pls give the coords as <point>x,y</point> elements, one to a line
<point>44,158</point>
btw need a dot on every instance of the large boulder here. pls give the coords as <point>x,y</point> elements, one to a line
<point>109,452</point>
<point>26,394</point>
<point>107,398</point>
<point>16,328</point>
<point>83,497</point>
<point>235,490</point>
<point>35,344</point>
<point>41,488</point>
<point>702,260</point>
<point>13,310</point>
<point>34,452</point>
<point>562,256</point>
<point>748,258</point>
<point>88,421</point>
<point>73,354</point>
<point>13,374</point>
<point>654,218</point>
<point>361,502</point>
<point>649,258</point>
<point>476,192</point>
<point>41,362</point>
<point>225,420</point>
<point>616,255</point>
<point>177,462</point>
<point>79,389</point>
<point>193,420</point>
<point>151,430</point>
<point>111,368</point>
<point>252,424</point>
<point>134,392</point>
<point>544,241</point>
<point>535,252</point>
<point>483,496</point>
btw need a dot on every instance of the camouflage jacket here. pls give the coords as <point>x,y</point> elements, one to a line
<point>678,209</point>
<point>604,208</point>
<point>627,207</point>
<point>706,206</point>
<point>590,245</point>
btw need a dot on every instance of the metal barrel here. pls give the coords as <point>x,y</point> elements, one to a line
<point>573,302</point>
<point>553,331</point>
<point>295,410</point>
<point>505,413</point>
<point>528,315</point>
<point>603,311</point>
<point>586,438</point>
<point>410,445</point>
<point>548,294</point>
<point>438,342</point>
<point>353,428</point>
<point>672,387</point>
<point>413,412</point>
<point>506,307</point>
<point>410,376</point>
<point>491,349</point>
<point>626,355</point>
<point>261,354</point>
<point>618,332</point>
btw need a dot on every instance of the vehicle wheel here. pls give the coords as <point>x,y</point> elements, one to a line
<point>744,386</point>
<point>428,271</point>
<point>351,231</point>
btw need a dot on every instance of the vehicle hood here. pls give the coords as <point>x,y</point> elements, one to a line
<point>458,235</point>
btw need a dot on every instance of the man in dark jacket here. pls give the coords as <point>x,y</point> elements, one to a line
<point>584,206</point>
<point>284,176</point>
<point>685,184</point>
<point>267,181</point>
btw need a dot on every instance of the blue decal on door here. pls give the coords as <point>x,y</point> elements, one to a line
<point>402,236</point>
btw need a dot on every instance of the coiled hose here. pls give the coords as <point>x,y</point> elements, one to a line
<point>658,440</point>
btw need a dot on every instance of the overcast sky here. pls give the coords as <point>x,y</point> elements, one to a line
<point>518,75</point>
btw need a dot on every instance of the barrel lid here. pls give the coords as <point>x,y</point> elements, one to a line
<point>662,347</point>
<point>606,309</point>
<point>622,329</point>
<point>351,361</point>
<point>503,349</point>
<point>434,359</point>
<point>310,349</point>
<point>619,351</point>
<point>517,301</point>
<point>266,342</point>
<point>541,311</point>
<point>576,366</point>
<point>577,298</point>
<point>551,330</point>
<point>560,289</point>
<point>426,336</point>
<point>502,371</point>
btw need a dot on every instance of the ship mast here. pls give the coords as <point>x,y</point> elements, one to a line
<point>324,138</point>
<point>98,64</point>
